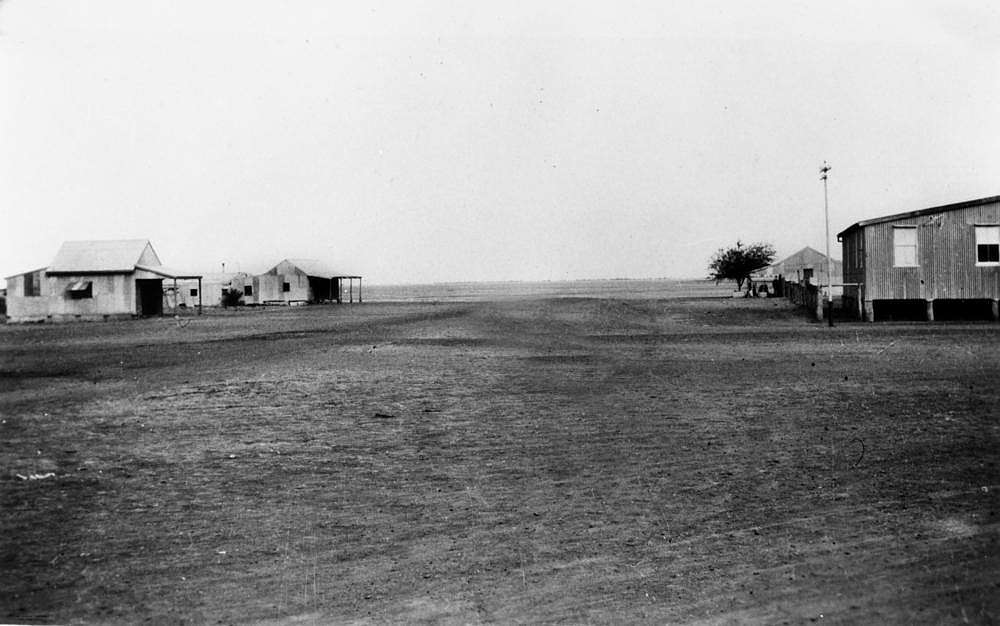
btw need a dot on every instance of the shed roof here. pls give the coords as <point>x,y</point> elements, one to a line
<point>110,256</point>
<point>919,212</point>
<point>312,267</point>
<point>222,277</point>
<point>805,256</point>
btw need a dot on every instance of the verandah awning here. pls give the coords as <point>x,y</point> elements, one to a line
<point>166,272</point>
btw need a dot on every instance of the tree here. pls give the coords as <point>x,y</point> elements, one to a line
<point>739,262</point>
<point>232,297</point>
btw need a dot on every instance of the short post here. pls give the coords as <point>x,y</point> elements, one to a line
<point>930,310</point>
<point>995,309</point>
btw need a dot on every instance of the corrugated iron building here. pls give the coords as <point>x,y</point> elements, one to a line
<point>808,265</point>
<point>91,280</point>
<point>936,263</point>
<point>295,281</point>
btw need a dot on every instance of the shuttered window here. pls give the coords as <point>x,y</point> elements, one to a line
<point>987,245</point>
<point>80,290</point>
<point>904,246</point>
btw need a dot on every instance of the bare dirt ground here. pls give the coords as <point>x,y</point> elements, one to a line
<point>570,460</point>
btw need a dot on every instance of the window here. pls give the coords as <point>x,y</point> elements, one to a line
<point>194,292</point>
<point>904,245</point>
<point>987,245</point>
<point>807,274</point>
<point>80,290</point>
<point>286,287</point>
<point>247,290</point>
<point>32,285</point>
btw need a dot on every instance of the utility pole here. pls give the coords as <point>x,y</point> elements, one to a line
<point>829,262</point>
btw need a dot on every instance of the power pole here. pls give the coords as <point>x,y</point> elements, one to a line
<point>829,262</point>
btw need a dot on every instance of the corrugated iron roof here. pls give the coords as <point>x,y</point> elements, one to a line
<point>918,213</point>
<point>803,256</point>
<point>312,267</point>
<point>100,256</point>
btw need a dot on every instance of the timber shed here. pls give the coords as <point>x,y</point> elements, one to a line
<point>302,281</point>
<point>930,264</point>
<point>92,280</point>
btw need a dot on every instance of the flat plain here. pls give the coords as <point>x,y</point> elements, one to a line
<point>567,460</point>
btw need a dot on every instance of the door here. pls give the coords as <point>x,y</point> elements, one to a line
<point>149,296</point>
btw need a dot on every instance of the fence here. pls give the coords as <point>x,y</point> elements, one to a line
<point>806,296</point>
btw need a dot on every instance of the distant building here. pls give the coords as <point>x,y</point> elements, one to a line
<point>92,280</point>
<point>935,263</point>
<point>806,266</point>
<point>300,281</point>
<point>210,292</point>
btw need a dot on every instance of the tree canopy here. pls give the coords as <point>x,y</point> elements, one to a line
<point>738,262</point>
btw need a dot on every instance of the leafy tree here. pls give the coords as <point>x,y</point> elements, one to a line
<point>737,263</point>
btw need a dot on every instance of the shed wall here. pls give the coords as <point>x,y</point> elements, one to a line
<point>946,253</point>
<point>271,284</point>
<point>211,290</point>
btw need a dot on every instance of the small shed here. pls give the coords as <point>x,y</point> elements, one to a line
<point>935,263</point>
<point>808,265</point>
<point>92,280</point>
<point>302,281</point>
<point>213,287</point>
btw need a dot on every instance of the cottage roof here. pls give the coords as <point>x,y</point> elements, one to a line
<point>113,256</point>
<point>920,212</point>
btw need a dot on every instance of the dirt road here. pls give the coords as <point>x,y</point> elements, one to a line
<point>570,460</point>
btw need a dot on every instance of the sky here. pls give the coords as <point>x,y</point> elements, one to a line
<point>453,141</point>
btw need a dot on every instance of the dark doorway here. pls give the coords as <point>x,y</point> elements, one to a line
<point>319,289</point>
<point>149,296</point>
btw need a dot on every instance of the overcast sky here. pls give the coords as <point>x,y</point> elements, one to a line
<point>439,141</point>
